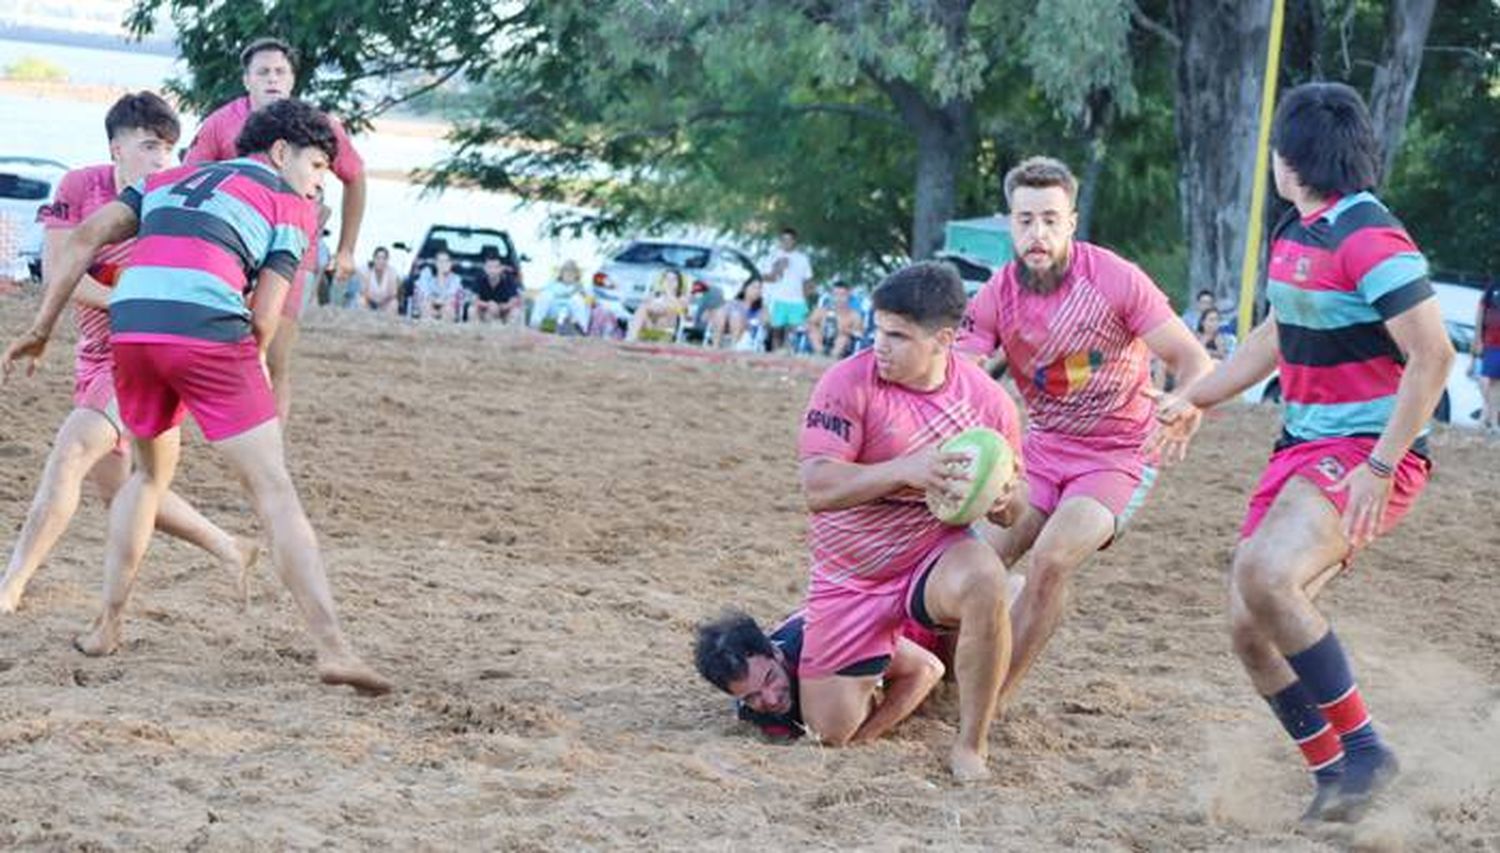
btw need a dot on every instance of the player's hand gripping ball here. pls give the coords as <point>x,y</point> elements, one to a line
<point>990,466</point>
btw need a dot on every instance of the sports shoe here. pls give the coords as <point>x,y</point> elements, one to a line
<point>1326,794</point>
<point>1364,778</point>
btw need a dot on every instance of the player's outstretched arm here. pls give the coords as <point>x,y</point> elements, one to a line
<point>831,484</point>
<point>913,673</point>
<point>112,223</point>
<point>89,292</point>
<point>1251,362</point>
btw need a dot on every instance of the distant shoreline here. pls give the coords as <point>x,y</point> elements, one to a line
<point>154,46</point>
<point>99,94</point>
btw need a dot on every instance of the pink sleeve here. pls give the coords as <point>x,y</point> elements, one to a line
<point>209,145</point>
<point>1141,303</point>
<point>348,165</point>
<point>66,209</point>
<point>979,332</point>
<point>833,425</point>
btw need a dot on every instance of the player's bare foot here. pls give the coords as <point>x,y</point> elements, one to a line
<point>103,639</point>
<point>246,555</point>
<point>968,766</point>
<point>354,672</point>
<point>10,597</point>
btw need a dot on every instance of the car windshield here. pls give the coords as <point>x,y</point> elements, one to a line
<point>468,243</point>
<point>23,189</point>
<point>691,257</point>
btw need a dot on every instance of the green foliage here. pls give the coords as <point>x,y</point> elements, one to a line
<point>32,69</point>
<point>1446,181</point>
<point>744,116</point>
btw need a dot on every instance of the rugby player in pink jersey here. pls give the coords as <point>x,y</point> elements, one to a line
<point>869,451</point>
<point>1357,337</point>
<point>270,75</point>
<point>91,443</point>
<point>1078,325</point>
<point>185,341</point>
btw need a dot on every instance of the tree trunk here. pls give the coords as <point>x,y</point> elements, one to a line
<point>1096,133</point>
<point>945,141</point>
<point>1407,24</point>
<point>1219,75</point>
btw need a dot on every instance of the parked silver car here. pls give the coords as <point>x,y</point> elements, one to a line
<point>26,183</point>
<point>632,271</point>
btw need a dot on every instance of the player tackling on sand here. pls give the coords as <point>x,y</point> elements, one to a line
<point>91,443</point>
<point>270,75</point>
<point>1363,356</point>
<point>869,452</point>
<point>184,340</point>
<point>762,673</point>
<point>1078,325</point>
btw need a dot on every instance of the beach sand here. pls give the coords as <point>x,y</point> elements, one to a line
<point>523,532</point>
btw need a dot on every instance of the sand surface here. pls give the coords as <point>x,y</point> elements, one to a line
<point>523,532</point>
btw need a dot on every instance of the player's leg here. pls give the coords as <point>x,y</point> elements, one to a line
<point>84,438</point>
<point>1276,682</point>
<point>835,706</point>
<point>256,456</point>
<point>966,589</point>
<point>132,517</point>
<point>1080,526</point>
<point>1296,543</point>
<point>279,363</point>
<point>1012,543</point>
<point>181,520</point>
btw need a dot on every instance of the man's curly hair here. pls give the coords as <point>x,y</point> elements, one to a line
<point>298,122</point>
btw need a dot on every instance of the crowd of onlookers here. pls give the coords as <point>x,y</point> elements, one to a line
<point>782,310</point>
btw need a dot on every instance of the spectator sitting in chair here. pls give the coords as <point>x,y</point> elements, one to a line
<point>848,324</point>
<point>439,292</point>
<point>1212,335</point>
<point>380,286</point>
<point>564,302</point>
<point>744,319</point>
<point>658,317</point>
<point>497,293</point>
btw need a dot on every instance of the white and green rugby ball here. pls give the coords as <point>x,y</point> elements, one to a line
<point>990,467</point>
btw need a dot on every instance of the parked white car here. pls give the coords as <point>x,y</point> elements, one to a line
<point>26,183</point>
<point>1462,402</point>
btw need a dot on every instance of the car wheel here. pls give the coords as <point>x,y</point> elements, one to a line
<point>1444,412</point>
<point>1272,393</point>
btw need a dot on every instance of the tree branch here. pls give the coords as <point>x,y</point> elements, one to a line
<point>1144,22</point>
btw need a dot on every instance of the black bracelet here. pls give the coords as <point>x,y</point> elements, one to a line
<point>1382,470</point>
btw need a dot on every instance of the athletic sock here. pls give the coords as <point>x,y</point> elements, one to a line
<point>1320,744</point>
<point>1324,669</point>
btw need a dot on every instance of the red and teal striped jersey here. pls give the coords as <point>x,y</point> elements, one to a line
<point>1334,279</point>
<point>205,234</point>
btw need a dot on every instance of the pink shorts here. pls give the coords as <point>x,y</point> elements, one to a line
<point>849,630</point>
<point>222,385</point>
<point>94,389</point>
<point>1324,463</point>
<point>1059,467</point>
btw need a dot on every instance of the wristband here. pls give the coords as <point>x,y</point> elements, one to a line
<point>1382,470</point>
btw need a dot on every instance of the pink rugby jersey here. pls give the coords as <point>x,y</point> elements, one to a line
<point>1076,353</point>
<point>855,416</point>
<point>79,194</point>
<point>205,233</point>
